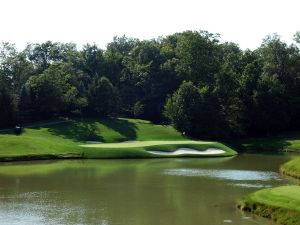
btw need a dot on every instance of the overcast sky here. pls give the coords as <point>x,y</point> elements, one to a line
<point>245,22</point>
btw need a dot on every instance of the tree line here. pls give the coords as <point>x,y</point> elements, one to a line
<point>205,88</point>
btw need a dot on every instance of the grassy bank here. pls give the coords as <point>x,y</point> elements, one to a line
<point>115,138</point>
<point>292,168</point>
<point>281,204</point>
<point>283,142</point>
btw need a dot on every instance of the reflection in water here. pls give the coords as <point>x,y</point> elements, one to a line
<point>225,174</point>
<point>134,192</point>
<point>246,185</point>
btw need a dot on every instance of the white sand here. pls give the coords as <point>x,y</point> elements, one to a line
<point>182,151</point>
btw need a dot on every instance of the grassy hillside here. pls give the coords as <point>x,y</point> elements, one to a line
<point>281,204</point>
<point>68,139</point>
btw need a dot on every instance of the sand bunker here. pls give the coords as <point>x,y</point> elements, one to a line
<point>189,151</point>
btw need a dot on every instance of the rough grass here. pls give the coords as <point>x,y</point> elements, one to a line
<point>284,142</point>
<point>66,140</point>
<point>281,204</point>
<point>292,168</point>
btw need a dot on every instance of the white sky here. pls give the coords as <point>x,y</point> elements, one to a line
<point>244,22</point>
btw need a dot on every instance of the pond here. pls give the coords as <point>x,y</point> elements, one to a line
<point>186,191</point>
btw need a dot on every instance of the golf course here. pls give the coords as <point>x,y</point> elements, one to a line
<point>170,125</point>
<point>281,204</point>
<point>102,138</point>
<point>123,138</point>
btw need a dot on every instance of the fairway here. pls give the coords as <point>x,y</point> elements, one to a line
<point>133,144</point>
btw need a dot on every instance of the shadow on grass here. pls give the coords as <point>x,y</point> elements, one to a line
<point>273,143</point>
<point>77,130</point>
<point>83,130</point>
<point>124,127</point>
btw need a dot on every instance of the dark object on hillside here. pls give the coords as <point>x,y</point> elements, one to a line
<point>18,130</point>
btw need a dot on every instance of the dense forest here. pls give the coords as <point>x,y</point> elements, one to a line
<point>205,88</point>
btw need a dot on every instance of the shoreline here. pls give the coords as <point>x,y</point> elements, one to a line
<point>280,204</point>
<point>291,168</point>
<point>71,156</point>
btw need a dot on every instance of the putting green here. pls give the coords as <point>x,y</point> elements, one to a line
<point>142,144</point>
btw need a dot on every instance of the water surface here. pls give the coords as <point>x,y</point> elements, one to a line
<point>186,191</point>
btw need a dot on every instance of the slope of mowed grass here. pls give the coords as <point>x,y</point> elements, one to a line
<point>65,140</point>
<point>10,144</point>
<point>281,204</point>
<point>111,130</point>
<point>291,168</point>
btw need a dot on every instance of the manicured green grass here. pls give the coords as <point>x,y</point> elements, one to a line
<point>144,144</point>
<point>281,204</point>
<point>291,168</point>
<point>284,142</point>
<point>69,140</point>
<point>139,150</point>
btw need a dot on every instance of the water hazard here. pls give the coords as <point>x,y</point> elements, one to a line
<point>135,192</point>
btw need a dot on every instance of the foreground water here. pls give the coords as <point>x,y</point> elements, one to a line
<point>135,192</point>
